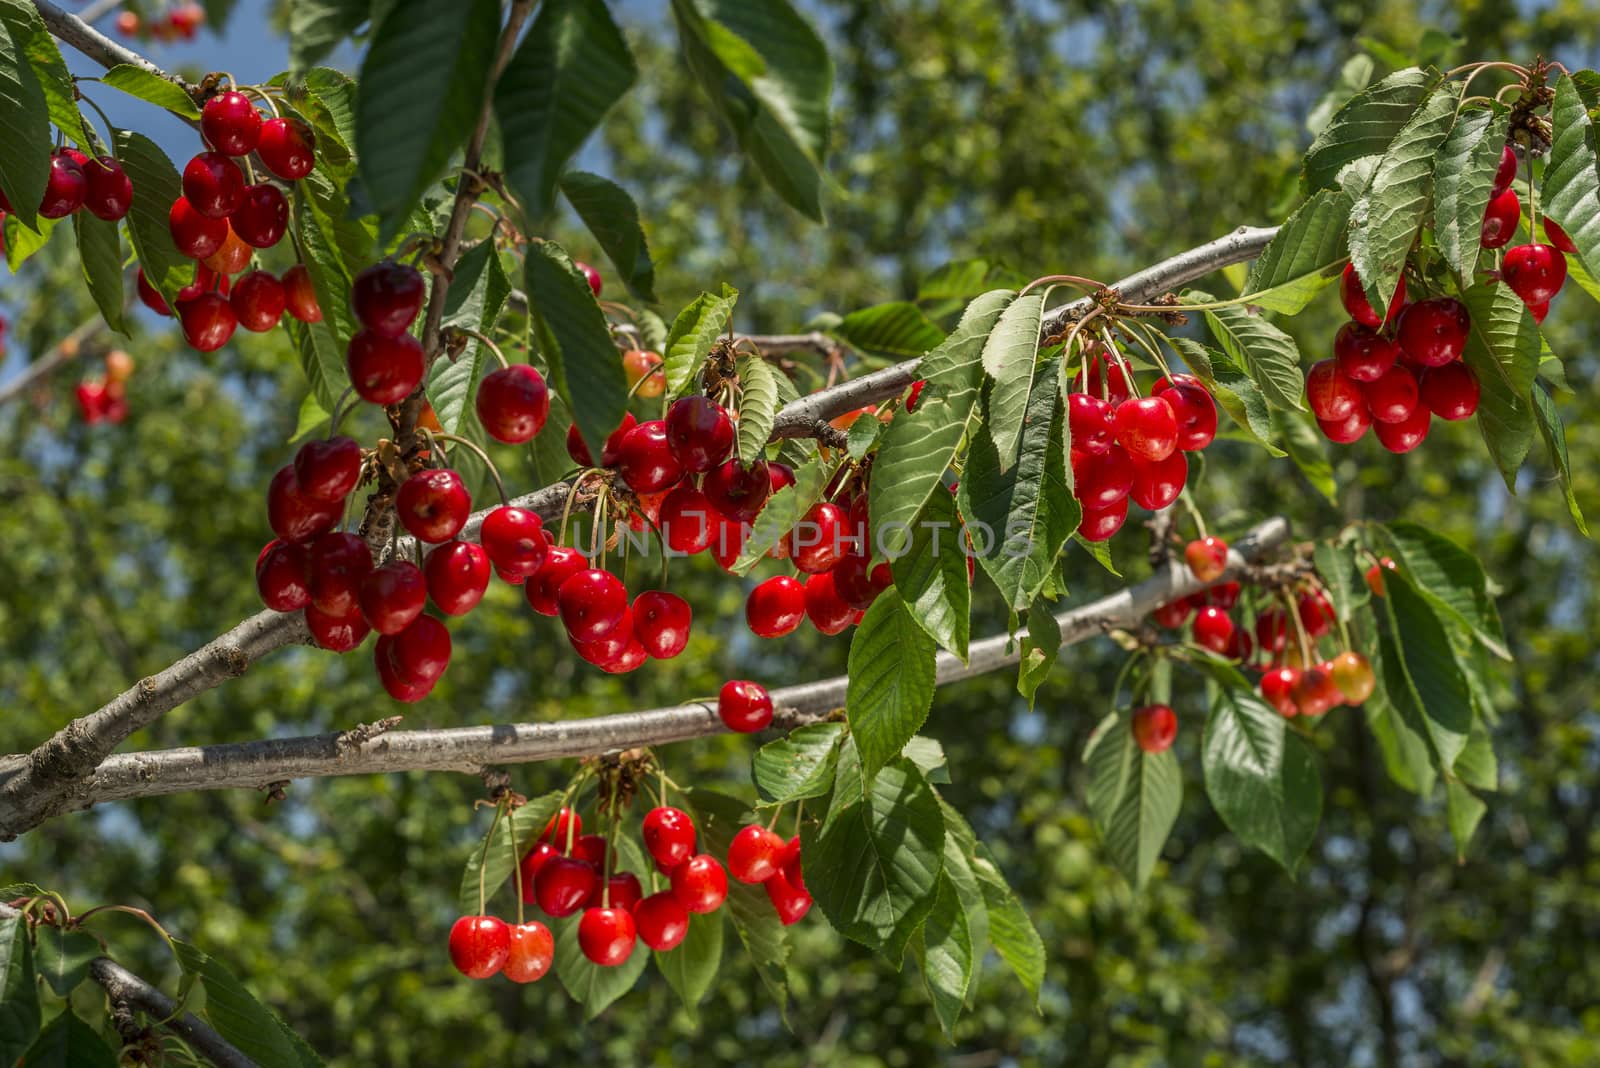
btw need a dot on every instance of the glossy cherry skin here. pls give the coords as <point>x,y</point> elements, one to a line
<point>789,865</point>
<point>1196,412</point>
<point>1272,630</point>
<point>820,538</point>
<point>258,301</point>
<point>300,297</point>
<point>195,235</point>
<point>393,595</point>
<point>513,403</point>
<point>515,541</point>
<point>109,193</point>
<point>687,520</point>
<point>384,370</point>
<point>744,706</point>
<point>827,611</point>
<point>607,936</point>
<point>590,275</point>
<point>1374,575</point>
<point>566,824</point>
<point>1506,173</point>
<point>1099,524</point>
<point>213,184</point>
<point>1173,614</point>
<point>458,575</point>
<point>1155,727</point>
<point>775,607</point>
<point>620,891</point>
<point>579,450</point>
<point>1330,394</point>
<point>338,634</point>
<point>532,951</point>
<point>262,216</point>
<point>1116,390</point>
<point>1450,392</point>
<point>668,836</point>
<point>699,432</point>
<point>642,370</point>
<point>329,469</point>
<point>411,662</point>
<point>1500,220</point>
<point>1315,693</point>
<point>1352,674</point>
<point>790,902</point>
<point>231,123</point>
<point>1207,558</point>
<point>737,492</point>
<point>560,564</point>
<point>231,258</point>
<point>1552,230</point>
<point>149,295</point>
<point>288,148</point>
<point>1434,332</point>
<point>281,576</point>
<point>387,296</point>
<point>1099,482</point>
<point>479,945</point>
<point>1156,485</point>
<point>856,584</point>
<point>1277,689</point>
<point>1316,613</point>
<point>433,505</point>
<point>1406,434</point>
<point>1363,354</point>
<point>1213,629</point>
<point>208,321</point>
<point>1147,428</point>
<point>1534,272</point>
<point>661,623</point>
<point>645,460</point>
<point>530,864</point>
<point>1347,430</point>
<point>1354,298</point>
<point>294,516</point>
<point>700,884</point>
<point>662,921</point>
<point>65,189</point>
<point>1092,423</point>
<point>563,885</point>
<point>592,603</point>
<point>337,565</point>
<point>779,476</point>
<point>1392,398</point>
<point>753,854</point>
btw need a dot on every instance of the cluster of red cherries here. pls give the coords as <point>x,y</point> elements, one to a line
<point>178,23</point>
<point>1130,447</point>
<point>1397,373</point>
<point>77,182</point>
<point>104,399</point>
<point>220,221</point>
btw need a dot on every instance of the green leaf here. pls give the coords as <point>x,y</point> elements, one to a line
<point>1405,750</point>
<point>322,344</point>
<point>19,990</point>
<point>898,330</point>
<point>1387,218</point>
<point>782,512</point>
<point>473,301</point>
<point>1450,577</point>
<point>24,130</point>
<point>592,985</point>
<point>436,58</point>
<point>1365,125</point>
<point>693,333</point>
<point>1354,76</point>
<point>1342,577</point>
<point>1309,451</point>
<point>891,681</point>
<point>949,288</point>
<point>335,91</point>
<point>521,829</point>
<point>1261,777</point>
<point>1010,931</point>
<point>1503,350</point>
<point>1021,518</point>
<point>1133,797</point>
<point>570,69</point>
<point>874,867</point>
<point>584,365</point>
<point>1463,176</point>
<point>1040,647</point>
<point>613,218</point>
<point>100,254</point>
<point>234,1012</point>
<point>150,87</point>
<point>944,953</point>
<point>770,77</point>
<point>862,437</point>
<point>1555,443</point>
<point>1233,390</point>
<point>758,404</point>
<point>691,967</point>
<point>798,766</point>
<point>156,186</point>
<point>1306,254</point>
<point>1100,551</point>
<point>68,1042</point>
<point>317,27</point>
<point>22,243</point>
<point>63,957</point>
<point>1265,353</point>
<point>932,575</point>
<point>1464,811</point>
<point>32,36</point>
<point>1571,185</point>
<point>1009,358</point>
<point>918,446</point>
<point>1434,692</point>
<point>1477,765</point>
<point>928,755</point>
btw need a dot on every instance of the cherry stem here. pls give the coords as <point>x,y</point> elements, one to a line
<point>339,411</point>
<point>1141,336</point>
<point>1122,674</point>
<point>566,509</point>
<point>487,340</point>
<point>477,451</point>
<point>1199,520</point>
<point>621,309</point>
<point>483,859</point>
<point>516,863</point>
<point>1299,629</point>
<point>1088,284</point>
<point>647,377</point>
<point>799,816</point>
<point>773,822</point>
<point>272,105</point>
<point>611,842</point>
<point>110,126</point>
<point>131,911</point>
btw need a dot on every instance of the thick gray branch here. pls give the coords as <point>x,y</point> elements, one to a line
<point>96,45</point>
<point>254,765</point>
<point>125,988</point>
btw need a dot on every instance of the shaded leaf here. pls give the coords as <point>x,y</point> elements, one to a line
<point>613,218</point>
<point>68,1042</point>
<point>1010,931</point>
<point>1463,175</point>
<point>19,990</point>
<point>1503,350</point>
<point>1365,125</point>
<point>100,254</point>
<point>24,130</point>
<point>1571,185</point>
<point>944,953</point>
<point>1133,797</point>
<point>152,89</point>
<point>584,365</point>
<point>1040,646</point>
<point>156,186</point>
<point>1555,443</point>
<point>473,301</point>
<point>63,957</point>
<point>932,575</point>
<point>898,330</point>
<point>891,681</point>
<point>691,967</point>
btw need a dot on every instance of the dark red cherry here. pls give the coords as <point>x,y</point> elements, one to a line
<point>288,148</point>
<point>1363,353</point>
<point>645,460</point>
<point>195,235</point>
<point>753,854</point>
<point>1173,614</point>
<point>1434,332</point>
<point>789,864</point>
<point>1155,727</point>
<point>205,280</point>
<point>565,825</point>
<point>384,370</point>
<point>231,123</point>
<point>533,950</point>
<point>433,505</point>
<point>856,584</point>
<point>620,891</point>
<point>395,683</point>
<point>1450,392</point>
<point>790,902</point>
<point>699,432</point>
<point>65,189</point>
<point>258,301</point>
<point>421,651</point>
<point>281,576</point>
<point>590,275</point>
<point>820,538</point>
<point>110,191</point>
<point>513,403</point>
<point>1157,484</point>
<point>1554,234</point>
<point>393,595</point>
<point>149,295</point>
<point>1393,397</point>
<point>607,936</point>
<point>1092,423</point>
<point>1213,629</point>
<point>1315,692</point>
<point>700,884</point>
<point>779,476</point>
<point>1355,300</point>
<point>591,849</point>
<point>1405,434</point>
<point>560,564</point>
<point>661,623</point>
<point>775,607</point>
<point>1534,272</point>
<point>338,634</point>
<point>738,492</point>
<point>1223,595</point>
<point>744,706</point>
<point>300,297</point>
<point>515,540</point>
<point>827,611</point>
<point>387,296</point>
<point>262,216</point>
<point>1316,613</point>
<point>662,921</point>
<point>479,945</point>
<point>328,469</point>
<point>563,885</point>
<point>1277,690</point>
<point>1500,220</point>
<point>579,451</point>
<point>1349,429</point>
<point>1116,388</point>
<point>458,575</point>
<point>668,836</point>
<point>213,184</point>
<point>1330,393</point>
<point>338,564</point>
<point>1099,482</point>
<point>531,862</point>
<point>687,519</point>
<point>1147,428</point>
<point>294,516</point>
<point>208,321</point>
<point>1272,630</point>
<point>1506,173</point>
<point>592,602</point>
<point>1196,412</point>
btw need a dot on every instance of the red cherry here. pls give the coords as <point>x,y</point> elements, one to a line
<point>687,520</point>
<point>1315,693</point>
<point>65,189</point>
<point>914,397</point>
<point>699,432</point>
<point>606,936</point>
<point>1375,575</point>
<point>109,192</point>
<point>592,603</point>
<point>565,824</point>
<point>661,623</point>
<point>395,683</point>
<point>1156,485</point>
<point>294,516</point>
<point>1329,393</point>
<point>1213,629</point>
<point>789,865</point>
<point>531,953</point>
<point>1147,428</point>
<point>205,280</point>
<point>1552,231</point>
<point>148,293</point>
<point>300,297</point>
<point>208,321</point>
<point>421,651</point>
<point>328,470</point>
<point>1196,412</point>
<point>128,23</point>
<point>1223,595</point>
<point>186,19</point>
<point>479,945</point>
<point>779,476</point>
<point>642,370</point>
<point>1116,388</point>
<point>645,460</point>
<point>338,634</point>
<point>590,275</point>
<point>384,370</point>
<point>1272,630</point>
<point>579,450</point>
<point>1155,727</point>
<point>433,505</point>
<point>819,539</point>
<point>213,185</point>
<point>458,575</point>
<point>337,565</point>
<point>744,706</point>
<point>560,564</point>
<point>281,576</point>
<point>513,403</point>
<point>622,890</point>
<point>1540,310</point>
<point>231,123</point>
<point>592,850</point>
<point>1406,434</point>
<point>1392,398</point>
<point>1099,524</point>
<point>288,148</point>
<point>1450,392</point>
<point>738,492</point>
<point>1277,689</point>
<point>231,258</point>
<point>1534,272</point>
<point>1355,300</point>
<point>393,595</point>
<point>1506,173</point>
<point>531,862</point>
<point>1092,423</point>
<point>789,901</point>
<point>258,301</point>
<point>662,921</point>
<point>700,884</point>
<point>1363,354</point>
<point>775,607</point>
<point>855,584</point>
<point>515,541</point>
<point>1347,430</point>
<point>1099,482</point>
<point>1316,613</point>
<point>824,607</point>
<point>668,835</point>
<point>1434,332</point>
<point>1207,558</point>
<point>753,854</point>
<point>387,296</point>
<point>1500,220</point>
<point>563,885</point>
<point>262,216</point>
<point>1173,614</point>
<point>1352,674</point>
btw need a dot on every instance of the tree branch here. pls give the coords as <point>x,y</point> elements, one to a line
<point>65,351</point>
<point>96,45</point>
<point>469,750</point>
<point>125,988</point>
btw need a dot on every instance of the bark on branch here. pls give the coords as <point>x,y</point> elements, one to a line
<point>97,46</point>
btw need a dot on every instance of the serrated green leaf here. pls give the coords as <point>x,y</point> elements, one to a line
<point>782,512</point>
<point>944,953</point>
<point>19,990</point>
<point>1265,353</point>
<point>100,255</point>
<point>1341,577</point>
<point>585,367</point>
<point>150,87</point>
<point>317,27</point>
<point>1133,796</point>
<point>1365,125</point>
<point>156,186</point>
<point>68,1042</point>
<point>514,835</point>
<point>1010,356</point>
<point>474,302</point>
<point>592,985</point>
<point>691,967</point>
<point>1010,930</point>
<point>693,333</point>
<point>32,36</point>
<point>1503,350</point>
<point>22,243</point>
<point>1463,175</point>
<point>898,330</point>
<point>613,218</point>
<point>1039,649</point>
<point>1451,577</point>
<point>799,765</point>
<point>1571,186</point>
<point>758,404</point>
<point>1309,451</point>
<point>1233,392</point>
<point>1100,551</point>
<point>1306,254</point>
<point>1432,683</point>
<point>891,681</point>
<point>932,575</point>
<point>234,1012</point>
<point>1354,76</point>
<point>63,957</point>
<point>1554,434</point>
<point>322,344</point>
<point>24,130</point>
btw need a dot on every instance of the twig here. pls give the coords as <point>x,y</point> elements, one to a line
<point>96,45</point>
<point>65,351</point>
<point>125,988</point>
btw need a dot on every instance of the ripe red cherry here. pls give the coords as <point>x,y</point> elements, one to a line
<point>662,921</point>
<point>281,576</point>
<point>328,469</point>
<point>65,189</point>
<point>433,505</point>
<point>738,492</point>
<point>384,370</point>
<point>208,321</point>
<point>1272,630</point>
<point>1092,423</point>
<point>338,634</point>
<point>1207,558</point>
<point>1500,220</point>
<point>1534,272</point>
<point>1329,393</point>
<point>337,565</point>
<point>779,476</point>
<point>855,584</point>
<point>1223,595</point>
<point>789,865</point>
<point>827,611</point>
<point>668,835</point>
<point>1540,310</point>
<point>1434,332</point>
<point>645,461</point>
<point>914,397</point>
<point>1173,614</point>
<point>479,945</point>
<point>387,296</point>
<point>661,623</point>
<point>421,652</point>
<point>1506,173</point>
<point>1392,398</point>
<point>592,603</point>
<point>531,953</point>
<point>1116,388</point>
<point>1552,230</point>
<point>513,403</point>
<point>775,607</point>
<point>393,595</point>
<point>1450,392</point>
<point>231,258</point>
<point>579,450</point>
<point>1099,482</point>
<point>1196,412</point>
<point>1355,300</point>
<point>213,184</point>
<point>1156,485</point>
<point>148,294</point>
<point>622,890</point>
<point>109,193</point>
<point>591,849</point>
<point>1374,575</point>
<point>1315,693</point>
<point>1147,428</point>
<point>288,148</point>
<point>819,539</point>
<point>1347,430</point>
<point>1352,674</point>
<point>1099,524</point>
<point>300,297</point>
<point>458,575</point>
<point>687,520</point>
<point>1316,613</point>
<point>744,706</point>
<point>262,216</point>
<point>753,854</point>
<point>531,862</point>
<point>560,564</point>
<point>606,936</point>
<point>1408,433</point>
<point>258,301</point>
<point>566,823</point>
<point>231,123</point>
<point>789,901</point>
<point>205,280</point>
<point>1155,727</point>
<point>515,541</point>
<point>642,370</point>
<point>1277,689</point>
<point>294,516</point>
<point>700,884</point>
<point>699,432</point>
<point>1363,354</point>
<point>563,885</point>
<point>590,275</point>
<point>1213,629</point>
